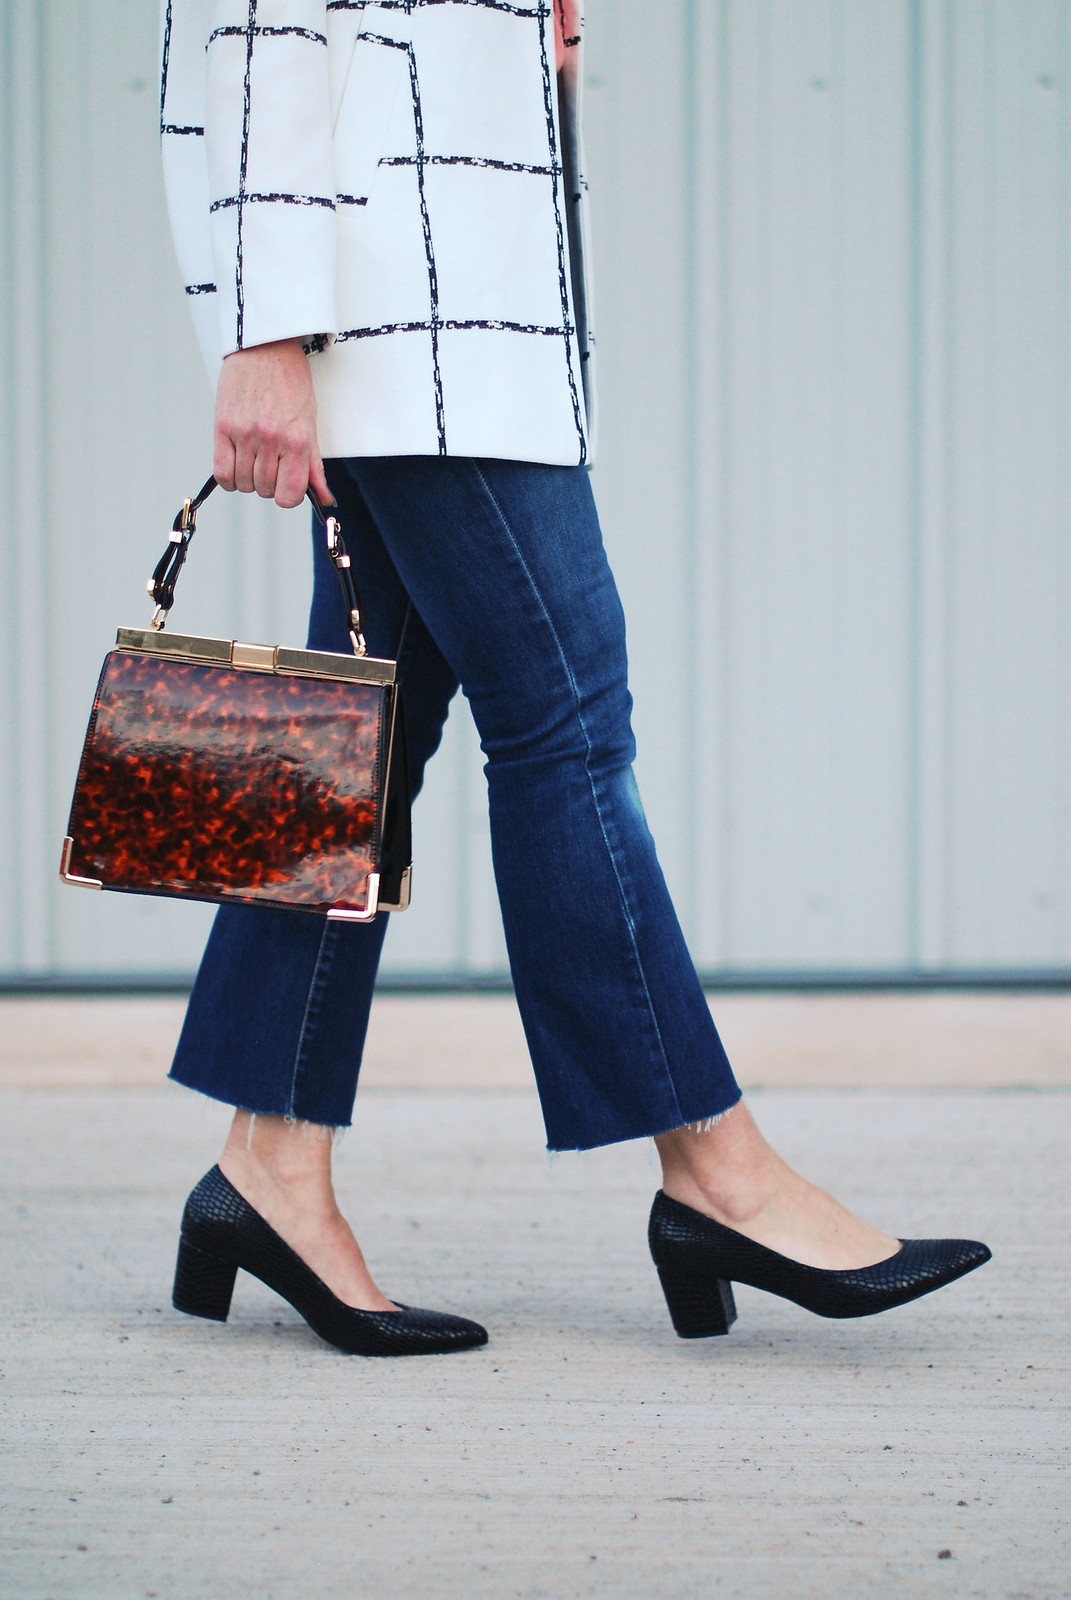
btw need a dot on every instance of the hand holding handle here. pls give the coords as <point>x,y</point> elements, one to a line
<point>161,585</point>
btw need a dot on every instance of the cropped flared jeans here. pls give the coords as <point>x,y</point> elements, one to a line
<point>490,575</point>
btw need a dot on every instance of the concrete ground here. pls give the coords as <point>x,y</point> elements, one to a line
<point>586,1451</point>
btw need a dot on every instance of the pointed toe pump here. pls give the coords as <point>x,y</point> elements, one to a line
<point>221,1232</point>
<point>699,1260</point>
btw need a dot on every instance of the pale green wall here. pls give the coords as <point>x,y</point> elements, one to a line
<point>832,309</point>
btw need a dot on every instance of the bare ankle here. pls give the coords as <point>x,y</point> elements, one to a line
<point>283,1170</point>
<point>292,1158</point>
<point>733,1203</point>
<point>727,1170</point>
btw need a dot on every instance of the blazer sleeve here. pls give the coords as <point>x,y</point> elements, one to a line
<point>270,169</point>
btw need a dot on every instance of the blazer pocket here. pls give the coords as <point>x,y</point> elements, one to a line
<point>368,85</point>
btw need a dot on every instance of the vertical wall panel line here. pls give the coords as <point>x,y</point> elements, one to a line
<point>930,442</point>
<point>28,504</point>
<point>1064,576</point>
<point>708,501</point>
<point>915,405</point>
<point>688,895</point>
<point>9,801</point>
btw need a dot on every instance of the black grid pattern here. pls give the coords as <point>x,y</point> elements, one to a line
<point>450,325</point>
<point>559,224</point>
<point>177,130</point>
<point>250,34</point>
<point>233,31</point>
<point>488,162</point>
<point>436,323</point>
<point>265,22</point>
<point>409,6</point>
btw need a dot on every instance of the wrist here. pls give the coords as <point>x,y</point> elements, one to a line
<point>284,348</point>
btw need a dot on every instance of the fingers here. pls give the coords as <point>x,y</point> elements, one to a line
<point>292,479</point>
<point>223,459</point>
<point>318,481</point>
<point>261,467</point>
<point>265,432</point>
<point>265,471</point>
<point>296,473</point>
<point>245,461</point>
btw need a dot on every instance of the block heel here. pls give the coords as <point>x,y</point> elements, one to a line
<point>203,1283</point>
<point>699,1308</point>
<point>699,1260</point>
<point>221,1232</point>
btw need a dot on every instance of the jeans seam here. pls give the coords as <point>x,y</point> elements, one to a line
<point>587,769</point>
<point>404,628</point>
<point>321,969</point>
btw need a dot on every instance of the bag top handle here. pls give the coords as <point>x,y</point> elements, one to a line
<point>161,585</point>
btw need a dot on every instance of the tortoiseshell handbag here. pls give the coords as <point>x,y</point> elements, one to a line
<point>244,774</point>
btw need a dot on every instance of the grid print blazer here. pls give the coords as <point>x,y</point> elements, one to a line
<point>400,185</point>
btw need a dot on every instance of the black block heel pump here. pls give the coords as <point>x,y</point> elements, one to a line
<point>221,1232</point>
<point>699,1307</point>
<point>203,1283</point>
<point>699,1260</point>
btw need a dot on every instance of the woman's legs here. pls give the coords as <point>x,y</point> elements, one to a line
<point>277,1019</point>
<point>520,600</point>
<point>505,565</point>
<point>504,562</point>
<point>278,1014</point>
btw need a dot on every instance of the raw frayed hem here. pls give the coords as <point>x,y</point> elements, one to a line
<point>316,1130</point>
<point>706,1124</point>
<point>310,1130</point>
<point>323,1129</point>
<point>700,1126</point>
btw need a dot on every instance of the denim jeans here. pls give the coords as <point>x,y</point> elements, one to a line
<point>491,575</point>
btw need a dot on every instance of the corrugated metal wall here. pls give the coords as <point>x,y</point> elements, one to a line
<point>834,322</point>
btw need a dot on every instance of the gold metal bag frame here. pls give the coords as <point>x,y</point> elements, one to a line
<point>244,773</point>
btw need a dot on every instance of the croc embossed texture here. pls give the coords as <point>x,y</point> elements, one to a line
<point>698,1261</point>
<point>221,1232</point>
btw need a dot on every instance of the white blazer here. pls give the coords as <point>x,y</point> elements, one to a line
<point>400,185</point>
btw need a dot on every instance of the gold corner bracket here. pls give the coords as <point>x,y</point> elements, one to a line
<point>403,893</point>
<point>343,914</point>
<point>70,877</point>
